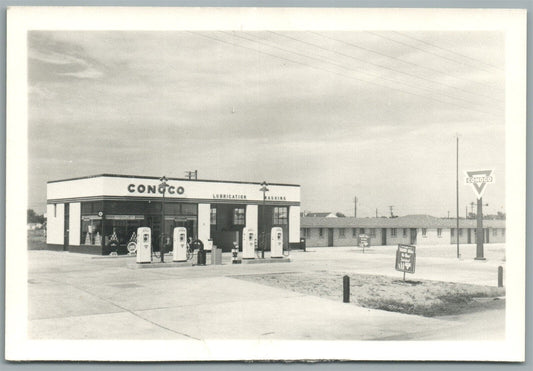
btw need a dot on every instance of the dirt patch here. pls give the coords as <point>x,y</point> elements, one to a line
<point>423,297</point>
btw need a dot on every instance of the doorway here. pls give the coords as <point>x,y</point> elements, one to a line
<point>383,236</point>
<point>330,237</point>
<point>412,239</point>
<point>66,229</point>
<point>469,235</point>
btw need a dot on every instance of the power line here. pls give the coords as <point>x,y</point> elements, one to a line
<point>477,94</point>
<point>371,82</point>
<point>386,68</point>
<point>450,51</point>
<point>423,51</point>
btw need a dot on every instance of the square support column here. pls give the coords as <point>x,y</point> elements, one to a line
<point>204,222</point>
<point>252,218</point>
<point>294,224</point>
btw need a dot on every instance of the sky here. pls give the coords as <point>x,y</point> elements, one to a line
<point>372,115</point>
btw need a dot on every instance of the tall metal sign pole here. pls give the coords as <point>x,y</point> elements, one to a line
<point>264,189</point>
<point>479,179</point>
<point>163,185</point>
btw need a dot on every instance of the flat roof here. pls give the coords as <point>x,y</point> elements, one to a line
<point>408,221</point>
<point>169,178</point>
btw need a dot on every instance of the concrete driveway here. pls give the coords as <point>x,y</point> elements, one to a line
<point>75,296</point>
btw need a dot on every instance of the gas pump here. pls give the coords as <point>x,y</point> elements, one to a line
<point>248,243</point>
<point>180,244</point>
<point>276,242</point>
<point>144,245</point>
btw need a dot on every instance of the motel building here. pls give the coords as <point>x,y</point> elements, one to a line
<point>410,229</point>
<point>85,213</point>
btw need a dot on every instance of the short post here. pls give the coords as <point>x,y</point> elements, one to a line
<point>500,276</point>
<point>346,289</point>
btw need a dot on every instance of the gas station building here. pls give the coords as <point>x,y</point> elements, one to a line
<point>83,213</point>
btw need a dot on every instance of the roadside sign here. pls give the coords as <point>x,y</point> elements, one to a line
<point>363,240</point>
<point>479,179</point>
<point>406,259</point>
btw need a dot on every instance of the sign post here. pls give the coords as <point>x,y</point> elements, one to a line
<point>479,179</point>
<point>363,241</point>
<point>406,259</point>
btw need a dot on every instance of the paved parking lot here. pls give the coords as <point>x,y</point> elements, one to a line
<point>75,296</point>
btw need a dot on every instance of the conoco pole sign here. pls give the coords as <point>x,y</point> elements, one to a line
<point>479,180</point>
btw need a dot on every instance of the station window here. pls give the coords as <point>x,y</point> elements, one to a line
<point>362,231</point>
<point>238,216</point>
<point>439,232</point>
<point>354,232</point>
<point>341,232</point>
<point>279,217</point>
<point>91,232</point>
<point>424,232</point>
<point>393,232</point>
<point>460,232</point>
<point>372,232</point>
<point>213,216</point>
<point>495,232</point>
<point>321,232</point>
<point>405,232</point>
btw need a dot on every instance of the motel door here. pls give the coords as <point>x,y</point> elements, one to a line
<point>487,235</point>
<point>413,236</point>
<point>469,235</point>
<point>66,227</point>
<point>330,237</point>
<point>383,236</point>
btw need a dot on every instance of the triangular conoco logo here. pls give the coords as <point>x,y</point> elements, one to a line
<point>479,179</point>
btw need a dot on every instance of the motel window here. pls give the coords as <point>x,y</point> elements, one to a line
<point>238,216</point>
<point>495,232</point>
<point>213,216</point>
<point>341,232</point>
<point>279,217</point>
<point>321,232</point>
<point>372,232</point>
<point>393,232</point>
<point>439,232</point>
<point>405,232</point>
<point>460,232</point>
<point>362,231</point>
<point>354,232</point>
<point>424,232</point>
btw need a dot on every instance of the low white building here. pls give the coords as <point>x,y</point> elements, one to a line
<point>83,213</point>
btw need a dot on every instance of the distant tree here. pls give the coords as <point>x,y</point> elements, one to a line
<point>33,217</point>
<point>340,215</point>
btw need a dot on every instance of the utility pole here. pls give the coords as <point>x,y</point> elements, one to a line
<point>376,212</point>
<point>457,192</point>
<point>191,174</point>
<point>355,207</point>
<point>391,213</point>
